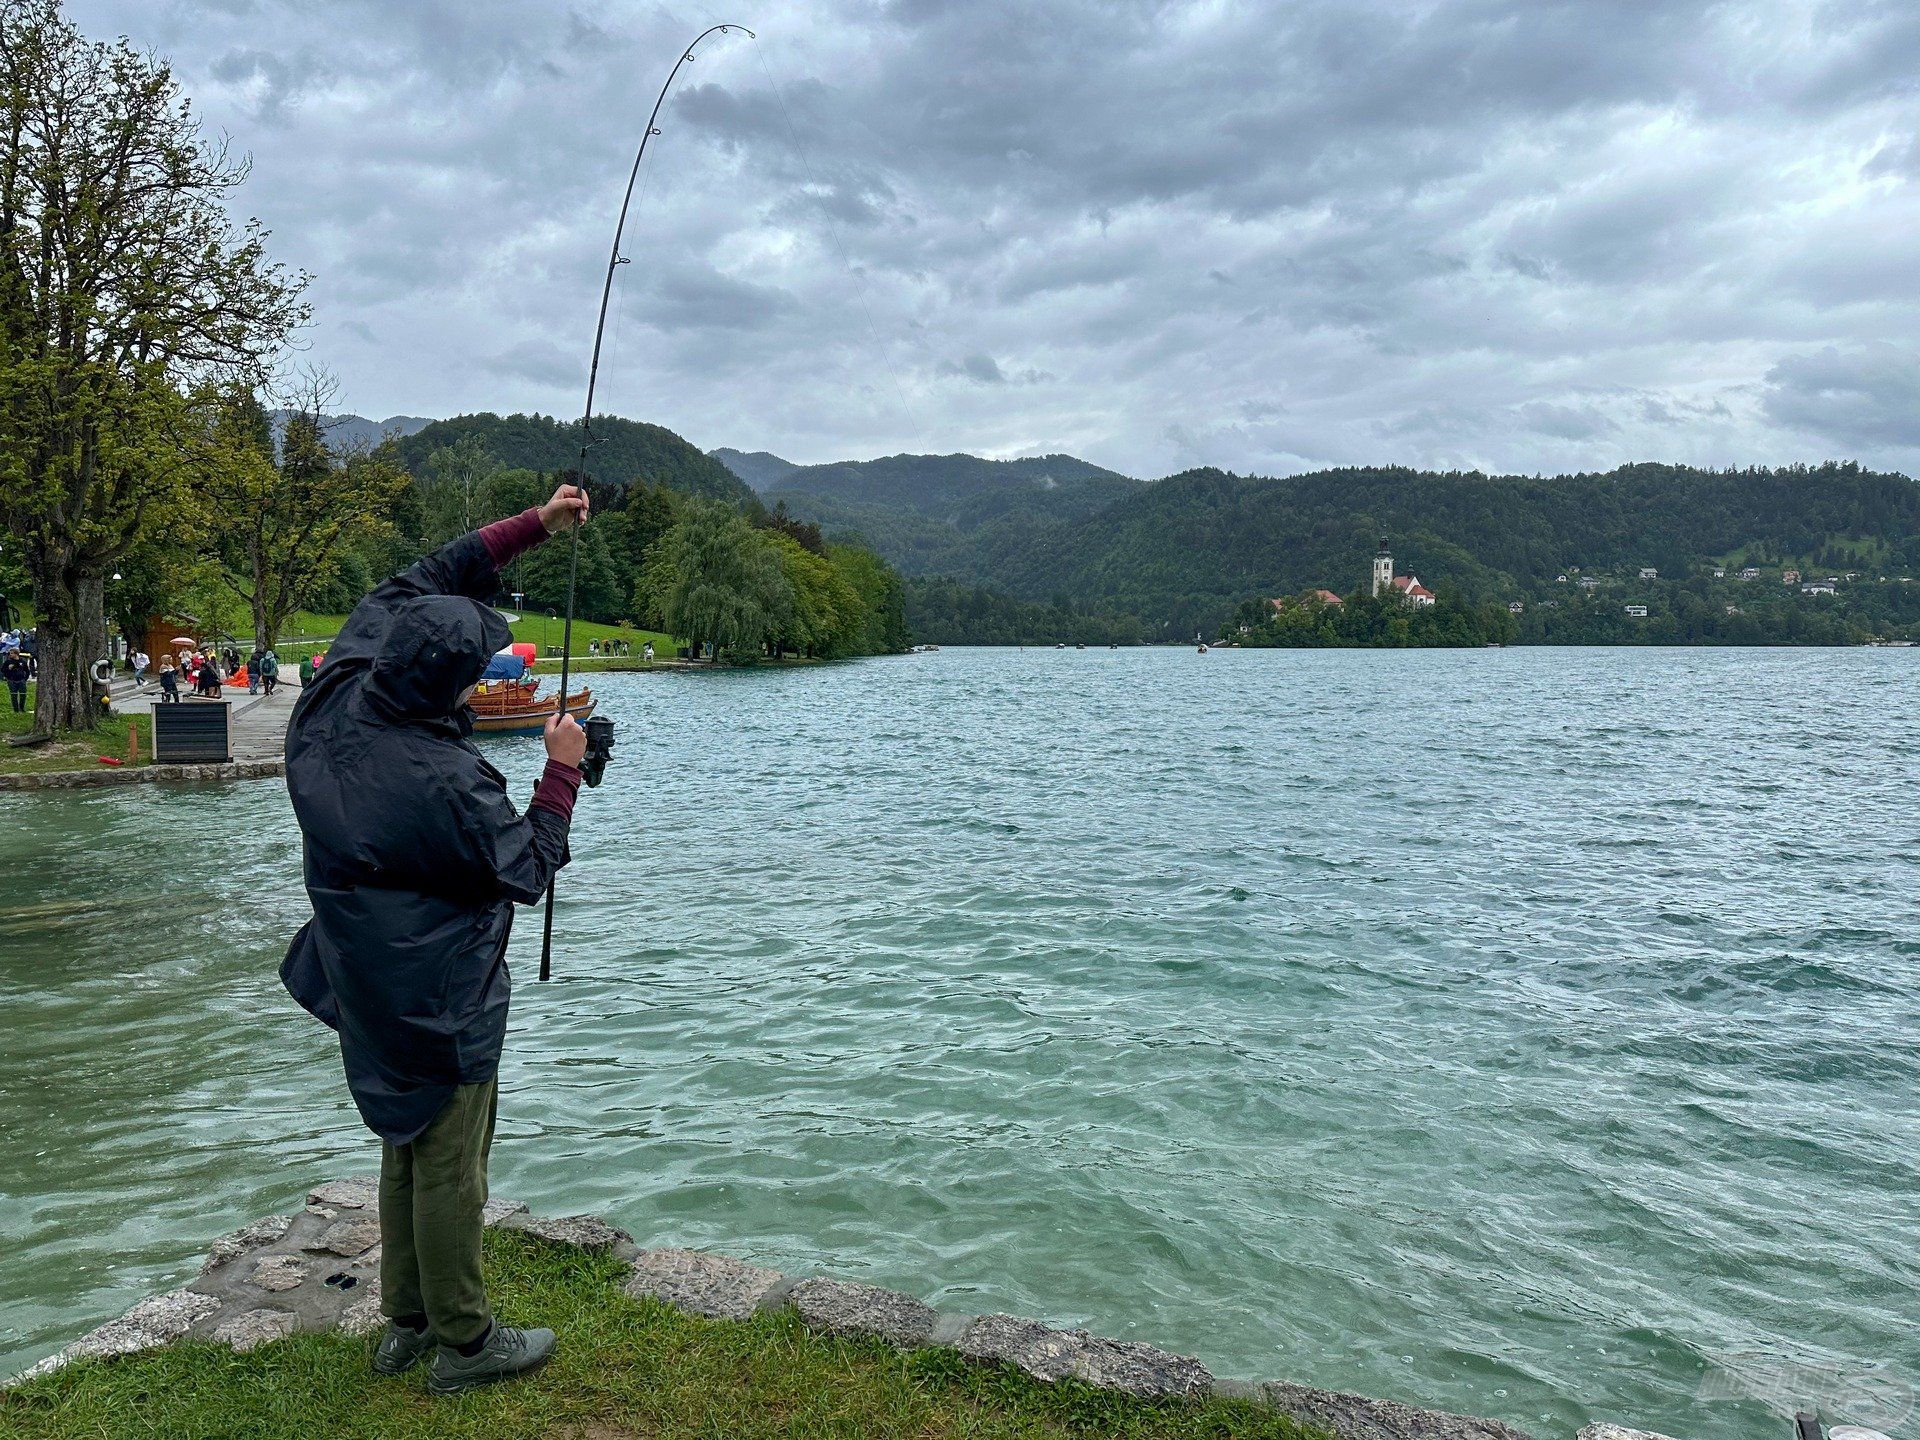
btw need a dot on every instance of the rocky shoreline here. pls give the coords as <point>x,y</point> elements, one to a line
<point>318,1269</point>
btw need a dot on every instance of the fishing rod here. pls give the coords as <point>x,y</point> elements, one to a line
<point>599,728</point>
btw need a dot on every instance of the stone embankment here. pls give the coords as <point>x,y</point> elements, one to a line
<point>319,1270</point>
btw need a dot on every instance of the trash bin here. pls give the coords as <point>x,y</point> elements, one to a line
<point>192,732</point>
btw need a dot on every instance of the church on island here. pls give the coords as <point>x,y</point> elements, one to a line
<point>1407,587</point>
<point>1384,580</point>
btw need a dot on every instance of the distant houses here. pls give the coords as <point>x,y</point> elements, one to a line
<point>1789,577</point>
<point>1636,612</point>
<point>1749,573</point>
<point>1648,572</point>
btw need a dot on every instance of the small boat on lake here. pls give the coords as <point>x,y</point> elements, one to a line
<point>529,716</point>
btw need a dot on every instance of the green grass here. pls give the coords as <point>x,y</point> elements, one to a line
<point>625,1369</point>
<point>70,754</point>
<point>533,627</point>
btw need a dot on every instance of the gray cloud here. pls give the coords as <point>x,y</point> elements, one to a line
<point>1523,237</point>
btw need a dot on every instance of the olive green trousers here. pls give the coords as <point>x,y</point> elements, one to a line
<point>433,1195</point>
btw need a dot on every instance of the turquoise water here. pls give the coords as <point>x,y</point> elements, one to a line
<point>1527,1032</point>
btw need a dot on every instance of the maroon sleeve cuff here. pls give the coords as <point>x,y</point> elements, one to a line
<point>559,787</point>
<point>513,536</point>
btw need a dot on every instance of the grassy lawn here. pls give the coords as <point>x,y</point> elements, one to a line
<point>109,739</point>
<point>625,1369</point>
<point>533,627</point>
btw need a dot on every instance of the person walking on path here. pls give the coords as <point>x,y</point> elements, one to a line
<point>253,671</point>
<point>169,682</point>
<point>414,859</point>
<point>306,671</point>
<point>140,663</point>
<point>269,670</point>
<point>15,670</point>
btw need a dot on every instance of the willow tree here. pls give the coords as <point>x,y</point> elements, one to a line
<point>128,297</point>
<point>714,579</point>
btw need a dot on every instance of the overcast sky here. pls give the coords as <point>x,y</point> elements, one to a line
<point>1518,236</point>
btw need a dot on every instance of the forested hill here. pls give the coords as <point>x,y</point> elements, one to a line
<point>623,450</point>
<point>758,468</point>
<point>935,514</point>
<point>1182,547</point>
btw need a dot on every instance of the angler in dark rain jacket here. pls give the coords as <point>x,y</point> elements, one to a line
<point>414,853</point>
<point>414,858</point>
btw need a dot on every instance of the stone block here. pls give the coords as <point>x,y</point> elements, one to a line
<point>254,1327</point>
<point>1136,1369</point>
<point>1607,1430</point>
<point>280,1272</point>
<point>1050,1354</point>
<point>846,1307</point>
<point>147,1326</point>
<point>587,1232</point>
<point>348,1237</point>
<point>498,1210</point>
<point>1040,1350</point>
<point>1356,1417</point>
<point>261,1232</point>
<point>715,1285</point>
<point>363,1316</point>
<point>356,1192</point>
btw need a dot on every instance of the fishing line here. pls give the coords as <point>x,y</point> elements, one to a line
<point>599,728</point>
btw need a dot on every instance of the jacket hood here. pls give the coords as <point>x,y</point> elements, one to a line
<point>435,646</point>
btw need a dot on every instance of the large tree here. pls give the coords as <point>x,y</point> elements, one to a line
<point>289,522</point>
<point>714,579</point>
<point>128,299</point>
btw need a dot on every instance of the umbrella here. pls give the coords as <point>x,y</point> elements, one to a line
<point>181,640</point>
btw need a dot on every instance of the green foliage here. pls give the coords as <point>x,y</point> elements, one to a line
<point>1182,552</point>
<point>947,612</point>
<point>1362,621</point>
<point>125,285</point>
<point>623,451</point>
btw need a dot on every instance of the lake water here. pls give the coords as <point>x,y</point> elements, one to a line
<point>1534,1033</point>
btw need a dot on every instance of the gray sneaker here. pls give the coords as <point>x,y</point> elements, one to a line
<point>507,1353</point>
<point>400,1349</point>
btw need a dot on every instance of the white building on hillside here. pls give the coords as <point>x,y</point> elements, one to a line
<point>1385,581</point>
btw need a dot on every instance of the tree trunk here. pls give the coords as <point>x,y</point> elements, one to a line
<point>70,635</point>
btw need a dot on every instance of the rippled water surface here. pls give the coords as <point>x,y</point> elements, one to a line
<point>1527,1032</point>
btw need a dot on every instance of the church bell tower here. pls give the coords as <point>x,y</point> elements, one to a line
<point>1383,570</point>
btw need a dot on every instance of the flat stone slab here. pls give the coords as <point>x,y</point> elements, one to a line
<point>281,1272</point>
<point>496,1211</point>
<point>254,1327</point>
<point>714,1285</point>
<point>356,1192</point>
<point>1050,1354</point>
<point>846,1307</point>
<point>349,1237</point>
<point>586,1232</point>
<point>147,1326</point>
<point>1356,1417</point>
<point>261,1233</point>
<point>1607,1430</point>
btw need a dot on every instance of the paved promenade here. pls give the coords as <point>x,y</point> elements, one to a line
<point>259,723</point>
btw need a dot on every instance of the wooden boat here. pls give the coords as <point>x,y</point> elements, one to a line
<point>531,717</point>
<point>497,696</point>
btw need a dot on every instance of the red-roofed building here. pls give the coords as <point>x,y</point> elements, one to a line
<point>1410,587</point>
<point>1325,597</point>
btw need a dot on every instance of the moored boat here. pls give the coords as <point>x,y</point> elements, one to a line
<point>530,718</point>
